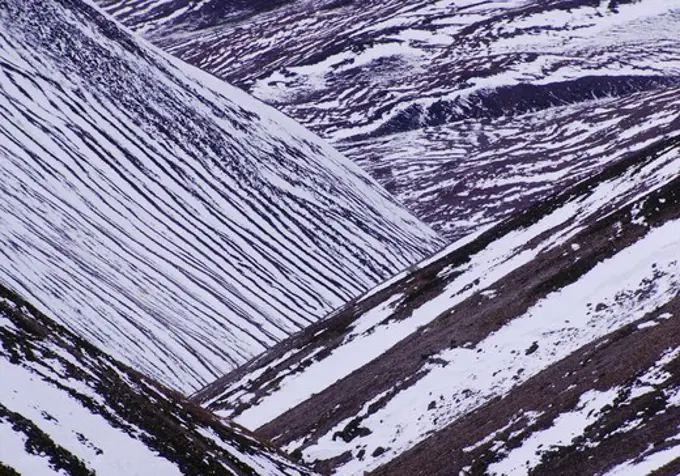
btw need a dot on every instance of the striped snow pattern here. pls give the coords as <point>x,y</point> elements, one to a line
<point>147,14</point>
<point>180,224</point>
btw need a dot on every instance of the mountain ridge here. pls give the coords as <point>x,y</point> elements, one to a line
<point>178,223</point>
<point>184,227</point>
<point>474,326</point>
<point>405,88</point>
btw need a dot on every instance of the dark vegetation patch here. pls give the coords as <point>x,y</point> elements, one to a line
<point>670,469</point>
<point>532,348</point>
<point>487,24</point>
<point>517,99</point>
<point>215,13</point>
<point>378,451</point>
<point>614,4</point>
<point>326,467</point>
<point>7,470</point>
<point>352,430</point>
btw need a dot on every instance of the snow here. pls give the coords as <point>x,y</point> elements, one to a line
<point>564,429</point>
<point>499,362</point>
<point>570,36</point>
<point>647,324</point>
<point>613,284</point>
<point>319,375</point>
<point>258,463</point>
<point>483,270</point>
<point>63,418</point>
<point>648,464</point>
<point>616,292</point>
<point>185,250</point>
<point>13,453</point>
<point>73,394</point>
<point>352,69</point>
<point>530,418</point>
<point>600,302</point>
<point>655,376</point>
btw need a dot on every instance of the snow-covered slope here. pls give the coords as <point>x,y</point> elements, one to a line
<point>429,95</point>
<point>546,342</point>
<point>68,408</point>
<point>465,175</point>
<point>170,218</point>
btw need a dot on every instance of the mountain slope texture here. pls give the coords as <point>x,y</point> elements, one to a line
<point>466,110</point>
<point>68,408</point>
<point>169,218</point>
<point>548,342</point>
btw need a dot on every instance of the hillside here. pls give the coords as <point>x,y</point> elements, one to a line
<point>169,218</point>
<point>198,237</point>
<point>466,110</point>
<point>68,408</point>
<point>547,342</point>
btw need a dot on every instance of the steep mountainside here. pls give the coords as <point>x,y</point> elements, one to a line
<point>173,220</point>
<point>550,341</point>
<point>430,95</point>
<point>68,408</point>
